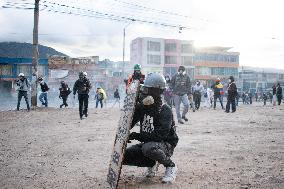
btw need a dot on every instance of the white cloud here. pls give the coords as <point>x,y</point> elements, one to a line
<point>253,27</point>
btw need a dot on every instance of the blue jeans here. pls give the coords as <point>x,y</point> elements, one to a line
<point>43,98</point>
<point>177,100</point>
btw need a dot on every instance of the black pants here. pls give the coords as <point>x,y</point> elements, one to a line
<point>197,100</point>
<point>146,154</point>
<point>25,95</point>
<point>231,100</point>
<point>279,98</point>
<point>215,100</point>
<point>83,104</point>
<point>64,99</point>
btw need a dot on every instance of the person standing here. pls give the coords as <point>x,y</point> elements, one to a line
<point>116,98</point>
<point>232,92</point>
<point>198,89</point>
<point>23,86</point>
<point>264,97</point>
<point>64,91</point>
<point>43,95</point>
<point>168,93</point>
<point>137,75</point>
<point>157,136</point>
<point>99,97</point>
<point>279,93</point>
<point>217,88</point>
<point>181,88</point>
<point>274,98</point>
<point>82,86</point>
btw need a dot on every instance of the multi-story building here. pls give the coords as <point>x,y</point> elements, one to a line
<point>259,79</point>
<point>215,62</point>
<point>162,55</point>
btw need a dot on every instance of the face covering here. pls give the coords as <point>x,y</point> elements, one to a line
<point>230,80</point>
<point>148,100</point>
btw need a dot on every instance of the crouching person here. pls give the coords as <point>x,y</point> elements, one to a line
<point>157,131</point>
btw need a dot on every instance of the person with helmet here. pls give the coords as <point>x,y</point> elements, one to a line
<point>217,88</point>
<point>64,91</point>
<point>137,75</point>
<point>181,89</point>
<point>82,86</point>
<point>232,93</point>
<point>23,86</point>
<point>43,95</point>
<point>157,134</point>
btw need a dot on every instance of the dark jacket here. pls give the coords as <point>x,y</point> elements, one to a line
<point>116,94</point>
<point>279,92</point>
<point>44,87</point>
<point>232,90</point>
<point>64,90</point>
<point>181,84</point>
<point>159,128</point>
<point>82,86</point>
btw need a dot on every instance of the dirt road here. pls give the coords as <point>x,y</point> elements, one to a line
<point>52,148</point>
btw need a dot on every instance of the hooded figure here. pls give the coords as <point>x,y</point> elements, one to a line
<point>157,131</point>
<point>82,86</point>
<point>181,89</point>
<point>217,88</point>
<point>232,93</point>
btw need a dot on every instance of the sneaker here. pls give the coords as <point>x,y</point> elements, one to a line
<point>170,175</point>
<point>180,121</point>
<point>86,114</point>
<point>152,171</point>
<point>185,119</point>
<point>61,105</point>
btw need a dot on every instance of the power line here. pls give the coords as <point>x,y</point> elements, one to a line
<point>89,13</point>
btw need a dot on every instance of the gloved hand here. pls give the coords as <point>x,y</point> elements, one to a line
<point>134,136</point>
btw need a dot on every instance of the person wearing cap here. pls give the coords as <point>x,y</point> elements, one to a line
<point>64,91</point>
<point>157,136</point>
<point>23,86</point>
<point>82,86</point>
<point>232,93</point>
<point>137,75</point>
<point>43,95</point>
<point>217,88</point>
<point>197,91</point>
<point>181,89</point>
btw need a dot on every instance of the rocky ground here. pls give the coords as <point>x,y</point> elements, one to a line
<point>52,148</point>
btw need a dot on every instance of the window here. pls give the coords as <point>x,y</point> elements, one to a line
<point>153,46</point>
<point>186,60</point>
<point>170,59</point>
<point>202,71</point>
<point>25,69</point>
<point>153,59</point>
<point>171,71</point>
<point>5,69</point>
<point>186,48</point>
<point>171,47</point>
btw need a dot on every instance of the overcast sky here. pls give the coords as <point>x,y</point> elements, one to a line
<point>252,27</point>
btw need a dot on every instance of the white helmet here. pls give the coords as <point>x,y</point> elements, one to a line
<point>85,74</point>
<point>21,75</point>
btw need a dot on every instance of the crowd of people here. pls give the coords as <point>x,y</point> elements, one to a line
<point>158,94</point>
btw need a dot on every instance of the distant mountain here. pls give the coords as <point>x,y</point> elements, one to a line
<point>24,50</point>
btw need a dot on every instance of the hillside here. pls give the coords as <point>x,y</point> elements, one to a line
<point>24,50</point>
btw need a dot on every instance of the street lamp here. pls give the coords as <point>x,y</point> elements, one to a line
<point>123,52</point>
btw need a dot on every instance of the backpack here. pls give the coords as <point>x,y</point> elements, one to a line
<point>100,96</point>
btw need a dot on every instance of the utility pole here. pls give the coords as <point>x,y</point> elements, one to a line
<point>35,56</point>
<point>123,50</point>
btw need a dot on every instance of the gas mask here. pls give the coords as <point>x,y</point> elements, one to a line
<point>146,98</point>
